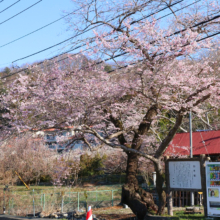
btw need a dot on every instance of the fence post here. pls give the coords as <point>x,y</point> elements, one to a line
<point>33,205</point>
<point>4,201</point>
<point>43,202</point>
<point>170,203</point>
<point>9,206</point>
<point>62,204</point>
<point>78,200</point>
<point>12,203</point>
<point>112,199</point>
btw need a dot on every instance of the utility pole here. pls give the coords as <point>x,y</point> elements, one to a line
<point>191,151</point>
<point>190,134</point>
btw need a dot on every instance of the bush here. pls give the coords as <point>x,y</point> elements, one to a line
<point>90,166</point>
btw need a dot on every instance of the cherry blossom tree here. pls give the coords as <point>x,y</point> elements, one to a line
<point>29,158</point>
<point>116,165</point>
<point>165,74</point>
<point>32,160</point>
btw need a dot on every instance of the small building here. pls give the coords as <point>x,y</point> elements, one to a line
<point>204,142</point>
<point>57,139</point>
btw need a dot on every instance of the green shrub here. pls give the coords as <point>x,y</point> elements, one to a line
<point>90,166</point>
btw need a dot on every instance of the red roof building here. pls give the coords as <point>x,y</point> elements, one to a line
<point>204,142</point>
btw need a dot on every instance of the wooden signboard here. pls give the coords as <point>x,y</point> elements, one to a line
<point>184,174</point>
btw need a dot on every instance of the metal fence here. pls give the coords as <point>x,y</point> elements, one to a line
<point>33,202</point>
<point>180,198</point>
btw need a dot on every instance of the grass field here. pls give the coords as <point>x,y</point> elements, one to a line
<point>46,189</point>
<point>50,198</point>
<point>118,213</point>
<point>183,216</point>
<point>19,201</point>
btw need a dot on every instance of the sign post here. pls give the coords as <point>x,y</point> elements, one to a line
<point>186,174</point>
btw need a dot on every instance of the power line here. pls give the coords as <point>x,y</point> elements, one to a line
<point>74,36</point>
<point>114,37</point>
<point>10,6</point>
<point>134,63</point>
<point>107,59</point>
<point>66,53</point>
<point>85,44</point>
<point>87,31</point>
<point>40,28</point>
<point>43,26</point>
<point>203,22</point>
<point>67,39</point>
<point>47,48</point>
<point>23,69</point>
<point>212,35</point>
<point>20,12</point>
<point>196,25</point>
<point>171,12</point>
<point>1,1</point>
<point>121,54</point>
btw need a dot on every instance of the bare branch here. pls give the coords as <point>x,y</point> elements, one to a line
<point>205,122</point>
<point>184,130</point>
<point>156,134</point>
<point>107,142</point>
<point>89,145</point>
<point>120,132</point>
<point>169,136</point>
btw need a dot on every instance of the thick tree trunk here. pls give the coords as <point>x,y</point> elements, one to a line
<point>136,198</point>
<point>158,154</point>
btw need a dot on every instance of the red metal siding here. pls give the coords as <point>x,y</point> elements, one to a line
<point>204,142</point>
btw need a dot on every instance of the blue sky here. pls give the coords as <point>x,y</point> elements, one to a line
<point>44,12</point>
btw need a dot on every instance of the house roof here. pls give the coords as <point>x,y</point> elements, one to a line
<point>204,142</point>
<point>51,129</point>
<point>58,129</point>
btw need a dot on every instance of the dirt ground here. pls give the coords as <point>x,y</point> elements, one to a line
<point>120,213</point>
<point>115,212</point>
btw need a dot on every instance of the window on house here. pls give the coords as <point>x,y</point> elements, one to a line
<point>50,137</point>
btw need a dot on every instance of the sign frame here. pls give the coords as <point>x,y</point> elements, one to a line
<point>167,171</point>
<point>202,158</point>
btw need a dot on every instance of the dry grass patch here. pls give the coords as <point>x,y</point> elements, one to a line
<point>114,212</point>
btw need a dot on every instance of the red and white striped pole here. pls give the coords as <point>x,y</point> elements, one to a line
<point>89,214</point>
